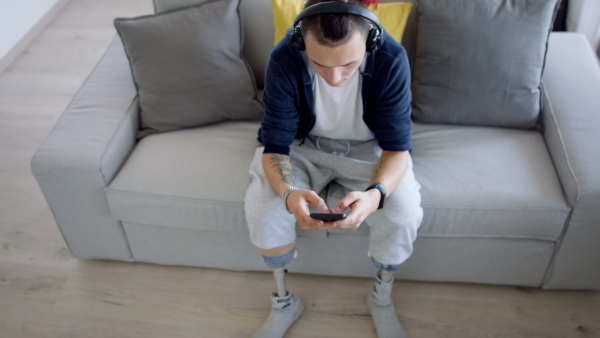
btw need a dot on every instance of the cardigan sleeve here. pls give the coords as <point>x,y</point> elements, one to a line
<point>281,116</point>
<point>390,100</point>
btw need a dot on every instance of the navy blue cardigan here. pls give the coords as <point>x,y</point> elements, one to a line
<point>288,98</point>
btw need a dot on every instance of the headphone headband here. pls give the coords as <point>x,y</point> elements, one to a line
<point>338,7</point>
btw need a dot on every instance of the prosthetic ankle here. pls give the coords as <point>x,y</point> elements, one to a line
<point>278,264</point>
<point>280,281</point>
<point>287,307</point>
<point>386,276</point>
<point>381,305</point>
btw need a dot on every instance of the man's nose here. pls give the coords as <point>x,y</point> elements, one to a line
<point>334,76</point>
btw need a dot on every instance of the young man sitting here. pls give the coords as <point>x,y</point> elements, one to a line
<point>337,109</point>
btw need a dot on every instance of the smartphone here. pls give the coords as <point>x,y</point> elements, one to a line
<point>327,217</point>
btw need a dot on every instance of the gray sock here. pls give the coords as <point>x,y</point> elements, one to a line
<point>383,312</point>
<point>284,313</point>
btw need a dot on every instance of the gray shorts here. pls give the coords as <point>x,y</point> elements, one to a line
<point>318,163</point>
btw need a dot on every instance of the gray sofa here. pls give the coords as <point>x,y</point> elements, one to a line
<point>502,205</point>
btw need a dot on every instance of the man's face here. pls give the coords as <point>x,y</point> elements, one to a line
<point>336,64</point>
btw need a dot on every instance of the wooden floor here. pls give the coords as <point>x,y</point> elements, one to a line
<point>45,292</point>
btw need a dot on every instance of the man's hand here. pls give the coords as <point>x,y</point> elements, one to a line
<point>362,203</point>
<point>388,171</point>
<point>298,202</point>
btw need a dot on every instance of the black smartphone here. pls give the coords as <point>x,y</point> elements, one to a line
<point>327,217</point>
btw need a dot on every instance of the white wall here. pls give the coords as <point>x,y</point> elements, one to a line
<point>583,16</point>
<point>20,22</point>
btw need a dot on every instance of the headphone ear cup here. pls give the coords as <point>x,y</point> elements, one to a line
<point>373,40</point>
<point>297,38</point>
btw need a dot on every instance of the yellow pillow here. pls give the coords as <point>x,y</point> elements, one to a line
<point>393,16</point>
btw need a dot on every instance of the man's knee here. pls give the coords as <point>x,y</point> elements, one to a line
<point>381,266</point>
<point>278,251</point>
<point>277,258</point>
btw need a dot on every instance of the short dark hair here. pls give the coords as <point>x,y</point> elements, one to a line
<point>334,29</point>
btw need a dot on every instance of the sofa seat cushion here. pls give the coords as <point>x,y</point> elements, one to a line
<point>192,178</point>
<point>476,182</point>
<point>487,182</point>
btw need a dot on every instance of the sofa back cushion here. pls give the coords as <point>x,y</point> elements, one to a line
<point>259,30</point>
<point>393,16</point>
<point>188,68</point>
<point>480,62</point>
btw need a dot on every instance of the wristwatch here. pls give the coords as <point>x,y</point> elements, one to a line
<point>285,196</point>
<point>379,186</point>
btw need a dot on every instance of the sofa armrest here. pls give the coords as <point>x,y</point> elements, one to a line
<point>571,114</point>
<point>84,151</point>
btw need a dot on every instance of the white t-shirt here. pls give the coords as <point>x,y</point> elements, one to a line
<point>339,110</point>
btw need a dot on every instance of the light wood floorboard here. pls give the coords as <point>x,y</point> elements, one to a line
<point>45,292</point>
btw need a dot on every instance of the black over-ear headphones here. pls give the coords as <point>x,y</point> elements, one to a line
<point>338,7</point>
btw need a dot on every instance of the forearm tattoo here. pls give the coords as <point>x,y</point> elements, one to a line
<point>284,167</point>
<point>378,168</point>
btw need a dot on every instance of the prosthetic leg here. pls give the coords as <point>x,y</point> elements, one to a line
<point>286,306</point>
<point>381,305</point>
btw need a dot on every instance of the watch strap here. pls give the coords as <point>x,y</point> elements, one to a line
<point>379,186</point>
<point>285,196</point>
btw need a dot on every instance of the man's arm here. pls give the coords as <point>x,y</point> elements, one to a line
<point>279,171</point>
<point>389,171</point>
